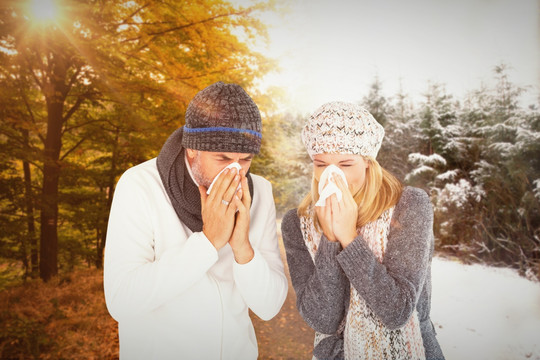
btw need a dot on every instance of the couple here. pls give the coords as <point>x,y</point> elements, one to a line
<point>192,243</point>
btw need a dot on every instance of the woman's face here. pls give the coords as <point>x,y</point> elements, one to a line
<point>354,167</point>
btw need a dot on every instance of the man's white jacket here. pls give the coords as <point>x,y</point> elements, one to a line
<point>173,294</point>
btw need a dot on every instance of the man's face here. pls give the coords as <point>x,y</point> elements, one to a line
<point>205,165</point>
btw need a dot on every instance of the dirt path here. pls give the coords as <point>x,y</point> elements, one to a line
<point>286,336</point>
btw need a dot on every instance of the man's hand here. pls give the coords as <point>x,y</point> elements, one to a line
<point>218,209</point>
<point>239,241</point>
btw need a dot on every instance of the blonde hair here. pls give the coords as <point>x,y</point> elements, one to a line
<point>381,190</point>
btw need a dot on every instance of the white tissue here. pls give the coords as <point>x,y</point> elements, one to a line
<point>327,187</point>
<point>231,165</point>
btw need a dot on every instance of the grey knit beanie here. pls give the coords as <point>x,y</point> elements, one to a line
<point>223,117</point>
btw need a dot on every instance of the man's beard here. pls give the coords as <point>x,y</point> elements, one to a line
<point>198,174</point>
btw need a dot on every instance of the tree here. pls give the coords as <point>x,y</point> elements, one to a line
<point>285,162</point>
<point>400,129</point>
<point>98,59</point>
<point>480,165</point>
<point>377,103</point>
<point>507,171</point>
<point>18,111</point>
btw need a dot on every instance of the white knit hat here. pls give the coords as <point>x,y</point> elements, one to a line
<point>342,128</point>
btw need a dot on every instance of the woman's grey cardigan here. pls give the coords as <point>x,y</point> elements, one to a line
<point>392,289</point>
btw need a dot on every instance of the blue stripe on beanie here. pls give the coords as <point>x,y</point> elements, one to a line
<point>223,117</point>
<point>220,128</point>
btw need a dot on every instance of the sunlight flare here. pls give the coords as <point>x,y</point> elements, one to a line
<point>44,11</point>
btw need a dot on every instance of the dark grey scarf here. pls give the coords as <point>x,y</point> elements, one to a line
<point>184,194</point>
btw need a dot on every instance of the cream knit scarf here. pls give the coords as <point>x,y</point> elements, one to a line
<point>365,336</point>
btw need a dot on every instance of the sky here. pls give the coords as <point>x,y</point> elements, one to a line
<point>333,49</point>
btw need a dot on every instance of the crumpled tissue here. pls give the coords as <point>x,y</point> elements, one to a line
<point>327,186</point>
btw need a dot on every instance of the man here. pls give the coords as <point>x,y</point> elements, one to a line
<point>182,267</point>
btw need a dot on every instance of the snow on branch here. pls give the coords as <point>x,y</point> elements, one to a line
<point>422,170</point>
<point>504,148</point>
<point>461,193</point>
<point>449,175</point>
<point>536,189</point>
<point>432,160</point>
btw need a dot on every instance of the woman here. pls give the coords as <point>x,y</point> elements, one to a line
<point>361,266</point>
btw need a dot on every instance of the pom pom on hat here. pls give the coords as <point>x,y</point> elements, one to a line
<point>342,128</point>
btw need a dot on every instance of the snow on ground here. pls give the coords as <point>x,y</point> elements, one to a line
<point>482,312</point>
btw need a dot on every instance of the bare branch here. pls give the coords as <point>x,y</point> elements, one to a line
<point>67,129</point>
<point>149,23</point>
<point>176,28</point>
<point>10,214</point>
<point>243,12</point>
<point>73,79</point>
<point>27,105</point>
<point>74,108</point>
<point>73,148</point>
<point>133,14</point>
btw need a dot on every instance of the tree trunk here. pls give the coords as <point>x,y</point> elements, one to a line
<point>30,212</point>
<point>102,237</point>
<point>48,265</point>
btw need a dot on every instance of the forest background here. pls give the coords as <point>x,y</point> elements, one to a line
<point>96,87</point>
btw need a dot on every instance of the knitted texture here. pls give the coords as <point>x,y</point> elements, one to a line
<point>223,117</point>
<point>182,191</point>
<point>342,128</point>
<point>393,289</point>
<point>365,336</point>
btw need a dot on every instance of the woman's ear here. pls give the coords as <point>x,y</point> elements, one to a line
<point>368,162</point>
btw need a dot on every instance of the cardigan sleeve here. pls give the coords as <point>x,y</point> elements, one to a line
<point>392,288</point>
<point>321,287</point>
<point>134,281</point>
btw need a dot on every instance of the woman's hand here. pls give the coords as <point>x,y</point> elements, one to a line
<point>324,214</point>
<point>344,214</point>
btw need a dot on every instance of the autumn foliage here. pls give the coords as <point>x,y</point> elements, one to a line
<point>65,318</point>
<point>91,90</point>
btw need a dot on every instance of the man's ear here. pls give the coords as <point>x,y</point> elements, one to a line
<point>191,153</point>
